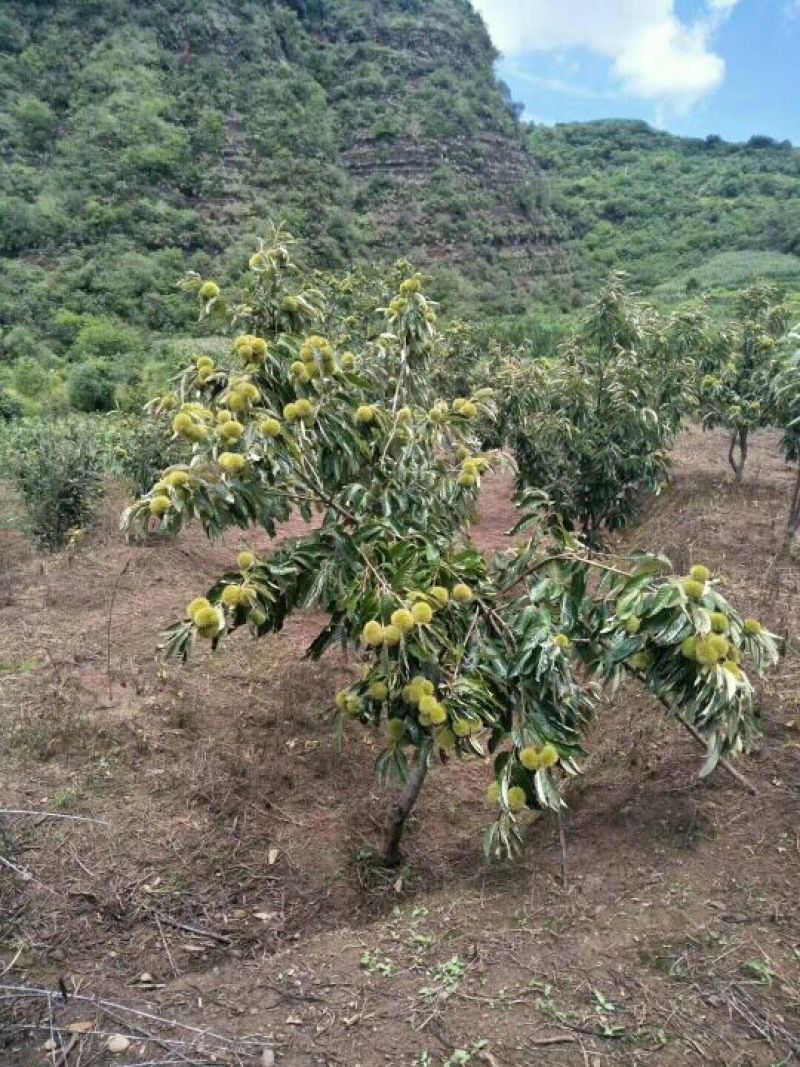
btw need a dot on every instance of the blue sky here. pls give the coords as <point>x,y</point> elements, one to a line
<point>730,67</point>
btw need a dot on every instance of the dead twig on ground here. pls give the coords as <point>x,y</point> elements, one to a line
<point>246,1046</point>
<point>135,1033</point>
<point>556,1039</point>
<point>24,874</point>
<point>176,973</point>
<point>53,1042</point>
<point>766,1024</point>
<point>10,966</point>
<point>53,815</point>
<point>197,931</point>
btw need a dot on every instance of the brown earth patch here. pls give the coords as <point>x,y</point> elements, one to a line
<point>232,864</point>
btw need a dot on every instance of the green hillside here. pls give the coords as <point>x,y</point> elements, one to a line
<point>682,214</point>
<point>144,137</point>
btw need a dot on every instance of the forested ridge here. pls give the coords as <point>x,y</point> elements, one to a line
<point>684,214</point>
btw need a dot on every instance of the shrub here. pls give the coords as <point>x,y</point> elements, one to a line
<point>91,388</point>
<point>29,377</point>
<point>102,339</point>
<point>10,407</point>
<point>65,326</point>
<point>19,342</point>
<point>58,474</point>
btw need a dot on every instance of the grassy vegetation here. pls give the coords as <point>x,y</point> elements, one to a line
<point>730,270</point>
<point>682,215</point>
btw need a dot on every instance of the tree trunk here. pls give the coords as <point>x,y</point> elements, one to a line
<point>793,523</point>
<point>400,811</point>
<point>738,440</point>
<point>742,453</point>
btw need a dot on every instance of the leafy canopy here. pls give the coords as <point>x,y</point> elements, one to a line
<point>592,427</point>
<point>464,656</point>
<point>735,388</point>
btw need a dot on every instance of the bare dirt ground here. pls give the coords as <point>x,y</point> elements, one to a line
<point>228,885</point>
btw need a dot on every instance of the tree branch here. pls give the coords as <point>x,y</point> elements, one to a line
<point>695,733</point>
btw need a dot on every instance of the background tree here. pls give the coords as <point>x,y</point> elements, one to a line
<point>630,194</point>
<point>91,388</point>
<point>736,385</point>
<point>593,428</point>
<point>787,397</point>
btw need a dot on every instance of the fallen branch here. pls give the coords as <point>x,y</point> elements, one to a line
<point>138,1033</point>
<point>26,876</point>
<point>15,991</point>
<point>763,1022</point>
<point>189,929</point>
<point>176,973</point>
<point>9,966</point>
<point>53,815</point>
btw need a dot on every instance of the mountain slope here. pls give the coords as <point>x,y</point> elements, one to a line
<point>145,137</point>
<point>680,213</point>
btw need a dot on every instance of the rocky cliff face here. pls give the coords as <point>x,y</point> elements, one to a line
<point>433,150</point>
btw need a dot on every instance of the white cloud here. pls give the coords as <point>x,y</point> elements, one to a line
<point>654,54</point>
<point>563,86</point>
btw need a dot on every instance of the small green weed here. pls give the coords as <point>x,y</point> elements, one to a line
<point>377,962</point>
